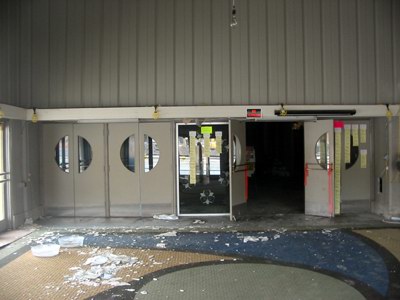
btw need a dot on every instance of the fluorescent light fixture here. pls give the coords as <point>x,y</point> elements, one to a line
<point>318,113</point>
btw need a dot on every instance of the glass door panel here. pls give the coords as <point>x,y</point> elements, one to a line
<point>4,179</point>
<point>203,169</point>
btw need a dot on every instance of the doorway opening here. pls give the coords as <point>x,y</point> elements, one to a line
<point>276,175</point>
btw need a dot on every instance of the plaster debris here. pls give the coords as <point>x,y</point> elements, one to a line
<point>199,222</point>
<point>102,271</point>
<point>328,231</point>
<point>166,217</point>
<point>170,233</point>
<point>250,239</point>
<point>259,238</point>
<point>71,241</point>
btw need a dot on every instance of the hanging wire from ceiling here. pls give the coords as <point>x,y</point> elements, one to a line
<point>234,21</point>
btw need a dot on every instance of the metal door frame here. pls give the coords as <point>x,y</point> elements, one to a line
<point>177,172</point>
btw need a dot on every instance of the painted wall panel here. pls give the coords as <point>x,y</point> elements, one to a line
<point>184,48</point>
<point>109,55</point>
<point>276,51</point>
<point>147,43</point>
<point>221,52</point>
<point>25,58</point>
<point>74,55</point>
<point>331,93</point>
<point>240,78</point>
<point>384,48</point>
<point>258,44</point>
<point>14,32</point>
<point>295,52</point>
<point>41,54</point>
<point>313,52</point>
<point>4,52</point>
<point>349,51</point>
<point>202,52</point>
<point>58,54</point>
<point>92,53</point>
<point>366,51</point>
<point>396,50</point>
<point>127,60</point>
<point>101,53</point>
<point>165,52</point>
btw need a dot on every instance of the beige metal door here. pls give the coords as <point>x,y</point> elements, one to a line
<point>156,168</point>
<point>57,171</point>
<point>124,166</point>
<point>237,157</point>
<point>318,152</point>
<point>89,170</point>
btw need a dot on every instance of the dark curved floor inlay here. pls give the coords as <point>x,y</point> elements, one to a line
<point>337,252</point>
<point>365,290</point>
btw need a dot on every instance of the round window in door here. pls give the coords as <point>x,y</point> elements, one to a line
<point>322,151</point>
<point>62,156</point>
<point>151,153</point>
<point>127,153</point>
<point>84,154</point>
<point>237,151</point>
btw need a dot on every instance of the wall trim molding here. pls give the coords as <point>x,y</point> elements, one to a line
<point>133,114</point>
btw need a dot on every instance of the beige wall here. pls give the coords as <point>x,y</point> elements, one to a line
<point>102,53</point>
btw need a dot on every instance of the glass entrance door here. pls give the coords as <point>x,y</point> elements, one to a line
<point>203,169</point>
<point>4,179</point>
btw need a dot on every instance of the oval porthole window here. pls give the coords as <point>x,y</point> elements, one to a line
<point>127,153</point>
<point>353,154</point>
<point>151,153</point>
<point>237,151</point>
<point>62,156</point>
<point>322,151</point>
<point>84,154</point>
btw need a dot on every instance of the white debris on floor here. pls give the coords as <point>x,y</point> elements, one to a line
<point>101,269</point>
<point>165,217</point>
<point>161,245</point>
<point>199,222</point>
<point>170,233</point>
<point>250,239</point>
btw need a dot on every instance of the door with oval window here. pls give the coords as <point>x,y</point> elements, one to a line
<point>89,179</point>
<point>318,170</point>
<point>140,169</point>
<point>57,184</point>
<point>124,165</point>
<point>73,177</point>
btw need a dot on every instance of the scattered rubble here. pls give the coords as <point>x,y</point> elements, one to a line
<point>170,233</point>
<point>166,217</point>
<point>199,222</point>
<point>102,269</point>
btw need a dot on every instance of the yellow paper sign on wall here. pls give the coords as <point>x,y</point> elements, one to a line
<point>347,144</point>
<point>207,150</point>
<point>338,155</point>
<point>192,156</point>
<point>354,133</point>
<point>363,154</point>
<point>206,129</point>
<point>218,139</point>
<point>363,133</point>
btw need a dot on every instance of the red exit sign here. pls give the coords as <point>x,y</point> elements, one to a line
<point>254,113</point>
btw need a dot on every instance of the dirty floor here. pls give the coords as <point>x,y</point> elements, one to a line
<point>196,261</point>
